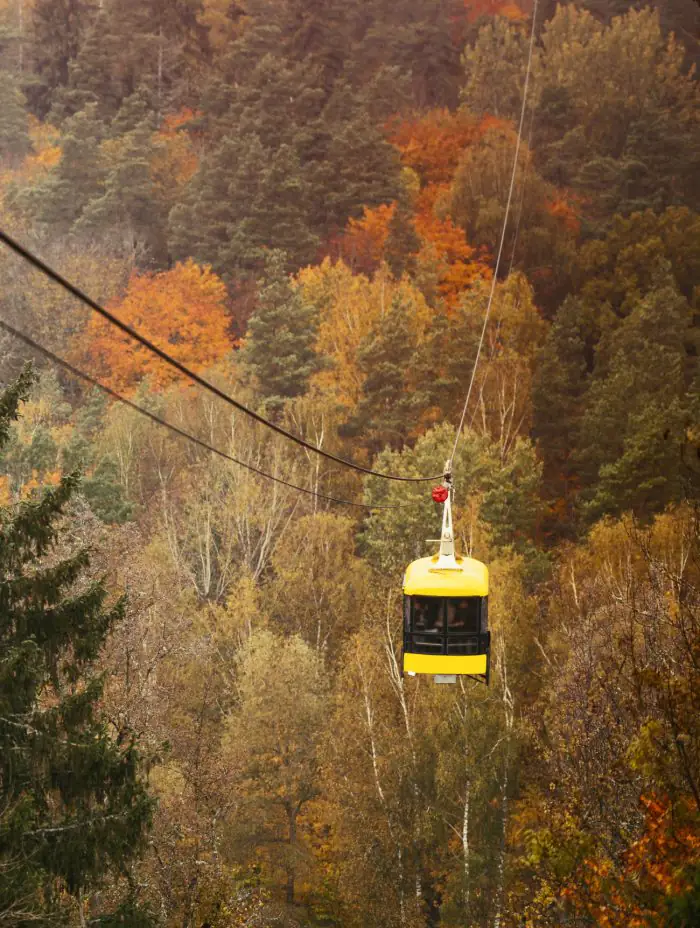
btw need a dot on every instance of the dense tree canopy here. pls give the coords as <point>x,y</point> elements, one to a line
<point>303,201</point>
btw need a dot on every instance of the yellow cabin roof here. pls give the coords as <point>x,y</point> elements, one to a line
<point>422,579</point>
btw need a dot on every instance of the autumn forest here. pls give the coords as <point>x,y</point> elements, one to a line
<point>317,206</point>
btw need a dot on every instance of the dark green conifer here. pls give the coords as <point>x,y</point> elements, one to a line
<point>557,395</point>
<point>73,803</point>
<point>296,168</point>
<point>280,210</point>
<point>58,28</point>
<point>129,203</point>
<point>77,179</point>
<point>360,168</point>
<point>104,494</point>
<point>135,112</point>
<point>90,78</point>
<point>422,39</point>
<point>14,128</point>
<point>213,223</point>
<point>640,410</point>
<point>386,411</point>
<point>279,348</point>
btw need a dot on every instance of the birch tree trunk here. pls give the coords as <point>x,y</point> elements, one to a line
<point>396,677</point>
<point>369,721</point>
<point>507,702</point>
<point>20,33</point>
<point>465,847</point>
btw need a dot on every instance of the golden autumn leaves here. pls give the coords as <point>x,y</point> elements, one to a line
<point>182,310</point>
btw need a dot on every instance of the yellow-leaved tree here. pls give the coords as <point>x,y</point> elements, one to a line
<point>351,307</point>
<point>271,742</point>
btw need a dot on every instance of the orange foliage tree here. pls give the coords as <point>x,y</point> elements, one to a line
<point>431,146</point>
<point>434,143</point>
<point>506,8</point>
<point>182,310</point>
<point>363,245</point>
<point>444,253</point>
<point>656,868</point>
<point>561,208</point>
<point>454,262</point>
<point>175,159</point>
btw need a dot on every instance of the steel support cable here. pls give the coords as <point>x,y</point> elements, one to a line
<point>523,185</point>
<point>503,238</point>
<point>40,265</point>
<point>76,372</point>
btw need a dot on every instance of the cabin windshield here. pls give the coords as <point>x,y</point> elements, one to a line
<point>446,624</point>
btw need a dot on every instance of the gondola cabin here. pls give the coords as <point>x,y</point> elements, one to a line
<point>445,631</point>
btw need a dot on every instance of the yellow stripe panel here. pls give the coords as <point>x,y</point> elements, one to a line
<point>445,663</point>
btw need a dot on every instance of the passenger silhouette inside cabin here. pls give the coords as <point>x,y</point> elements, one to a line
<point>427,624</point>
<point>426,615</point>
<point>463,615</point>
<point>463,625</point>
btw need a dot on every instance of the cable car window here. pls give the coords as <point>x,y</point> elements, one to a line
<point>407,613</point>
<point>427,615</point>
<point>463,615</point>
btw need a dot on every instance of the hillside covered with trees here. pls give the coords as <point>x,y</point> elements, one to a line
<point>203,718</point>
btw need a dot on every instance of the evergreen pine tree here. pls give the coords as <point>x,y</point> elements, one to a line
<point>90,78</point>
<point>135,111</point>
<point>58,28</point>
<point>279,348</point>
<point>425,44</point>
<point>213,222</point>
<point>293,172</point>
<point>385,410</point>
<point>73,804</point>
<point>104,493</point>
<point>78,177</point>
<point>280,210</point>
<point>359,169</point>
<point>639,409</point>
<point>156,45</point>
<point>557,396</point>
<point>129,203</point>
<point>14,128</point>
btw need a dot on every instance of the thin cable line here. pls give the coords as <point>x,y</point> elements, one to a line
<point>526,171</point>
<point>503,237</point>
<point>183,369</point>
<point>174,428</point>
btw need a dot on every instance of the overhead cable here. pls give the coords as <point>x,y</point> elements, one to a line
<point>503,237</point>
<point>174,428</point>
<point>40,265</point>
<point>523,186</point>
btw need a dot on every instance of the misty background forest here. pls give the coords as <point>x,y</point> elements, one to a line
<point>203,719</point>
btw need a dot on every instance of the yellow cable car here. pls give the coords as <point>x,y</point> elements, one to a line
<point>446,611</point>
